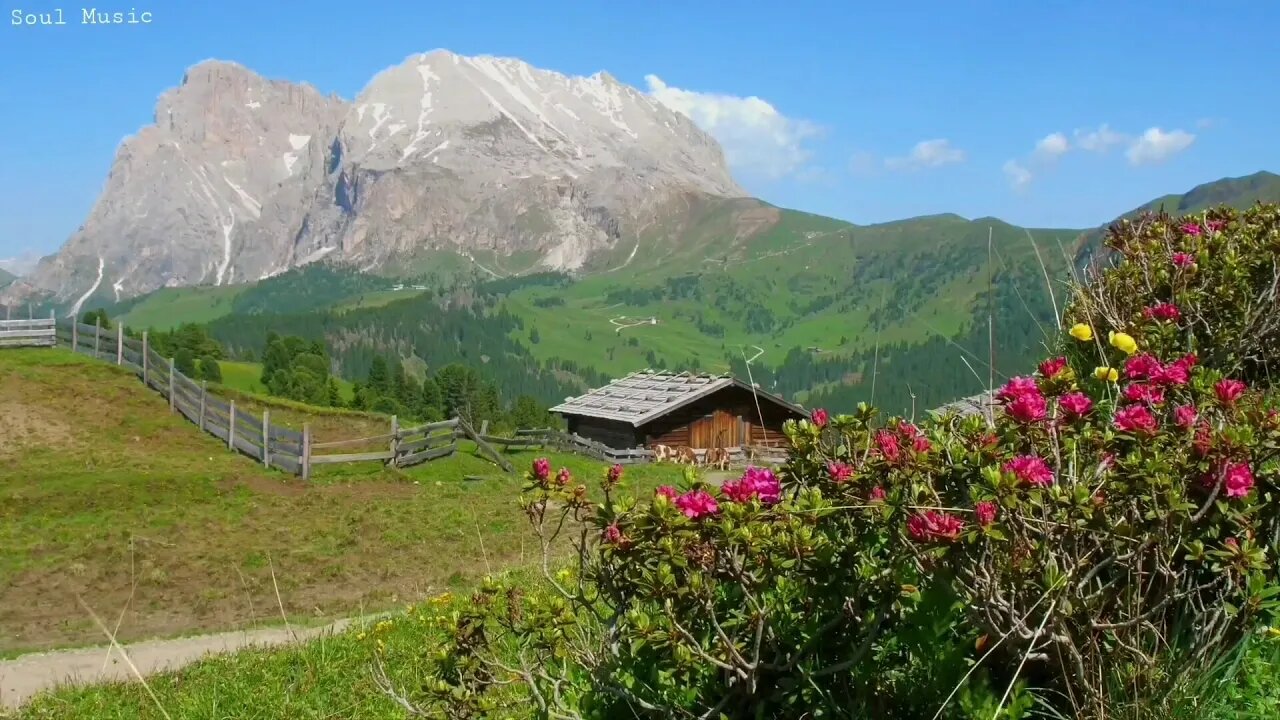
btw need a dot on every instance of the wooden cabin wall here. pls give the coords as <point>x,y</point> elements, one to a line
<point>615,434</point>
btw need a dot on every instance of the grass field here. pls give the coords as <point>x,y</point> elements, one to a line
<point>170,307</point>
<point>104,495</point>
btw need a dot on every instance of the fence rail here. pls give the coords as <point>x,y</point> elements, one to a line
<point>247,433</point>
<point>32,332</point>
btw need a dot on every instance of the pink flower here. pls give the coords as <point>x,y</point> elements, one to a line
<point>1202,443</point>
<point>755,482</point>
<point>697,503</point>
<point>1185,416</point>
<point>888,445</point>
<point>667,491</point>
<point>1215,225</point>
<point>1228,391</point>
<point>1018,387</point>
<point>1052,367</point>
<point>1190,228</point>
<point>1136,419</point>
<point>876,495</point>
<point>931,526</point>
<point>1031,470</point>
<point>612,535</point>
<point>1238,480</point>
<point>542,468</point>
<point>1176,373</point>
<point>1232,544</point>
<point>614,474</point>
<point>921,444</point>
<point>1028,408</point>
<point>1163,311</point>
<point>820,417</point>
<point>563,477</point>
<point>908,430</point>
<point>1189,360</point>
<point>1182,260</point>
<point>1142,367</point>
<point>1140,393</point>
<point>1108,461</point>
<point>839,472</point>
<point>1075,405</point>
<point>985,512</point>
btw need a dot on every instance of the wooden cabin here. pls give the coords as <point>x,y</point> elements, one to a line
<point>679,409</point>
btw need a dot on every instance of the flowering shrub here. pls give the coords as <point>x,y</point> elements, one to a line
<point>1206,283</point>
<point>1109,531</point>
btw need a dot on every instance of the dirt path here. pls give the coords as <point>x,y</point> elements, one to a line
<point>24,676</point>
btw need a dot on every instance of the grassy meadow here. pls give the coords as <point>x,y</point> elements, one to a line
<point>107,496</point>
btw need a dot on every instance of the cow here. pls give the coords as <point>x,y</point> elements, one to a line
<point>662,453</point>
<point>718,458</point>
<point>686,455</point>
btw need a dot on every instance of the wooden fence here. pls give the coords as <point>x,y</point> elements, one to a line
<point>244,432</point>
<point>37,332</point>
<point>572,442</point>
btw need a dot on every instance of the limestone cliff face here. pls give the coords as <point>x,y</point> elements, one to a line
<point>242,177</point>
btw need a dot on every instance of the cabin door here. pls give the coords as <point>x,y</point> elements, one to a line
<point>719,429</point>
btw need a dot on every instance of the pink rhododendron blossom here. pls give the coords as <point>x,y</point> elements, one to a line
<point>1142,367</point>
<point>542,468</point>
<point>877,494</point>
<point>1163,311</point>
<point>667,491</point>
<point>697,503</point>
<point>1185,416</point>
<point>612,535</point>
<point>1108,461</point>
<point>1182,260</point>
<point>1177,373</point>
<point>1228,391</point>
<point>1136,419</point>
<point>1142,393</point>
<point>888,445</point>
<point>1237,480</point>
<point>1031,470</point>
<point>1075,405</point>
<point>1190,228</point>
<point>1203,441</point>
<point>1190,360</point>
<point>933,526</point>
<point>820,417</point>
<point>1016,388</point>
<point>614,474</point>
<point>1028,408</point>
<point>839,472</point>
<point>985,512</point>
<point>921,444</point>
<point>1052,367</point>
<point>1215,225</point>
<point>563,477</point>
<point>755,482</point>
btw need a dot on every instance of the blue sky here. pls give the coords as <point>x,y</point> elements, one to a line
<point>1041,113</point>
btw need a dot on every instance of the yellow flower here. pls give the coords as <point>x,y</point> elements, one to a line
<point>1123,342</point>
<point>1106,373</point>
<point>1082,332</point>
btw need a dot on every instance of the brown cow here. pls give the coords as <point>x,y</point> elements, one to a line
<point>686,455</point>
<point>662,453</point>
<point>718,458</point>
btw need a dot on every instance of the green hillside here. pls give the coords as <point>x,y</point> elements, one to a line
<point>830,308</point>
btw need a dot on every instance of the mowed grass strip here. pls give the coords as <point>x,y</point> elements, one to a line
<point>106,495</point>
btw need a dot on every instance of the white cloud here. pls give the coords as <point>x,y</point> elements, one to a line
<point>1100,140</point>
<point>1156,145</point>
<point>927,154</point>
<point>1019,177</point>
<point>757,139</point>
<point>1051,147</point>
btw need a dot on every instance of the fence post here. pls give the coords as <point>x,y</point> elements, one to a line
<point>53,320</point>
<point>97,335</point>
<point>75,334</point>
<point>305,460</point>
<point>231,428</point>
<point>395,439</point>
<point>171,373</point>
<point>119,343</point>
<point>266,438</point>
<point>204,390</point>
<point>145,359</point>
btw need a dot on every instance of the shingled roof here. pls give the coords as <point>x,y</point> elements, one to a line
<point>972,405</point>
<point>643,396</point>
